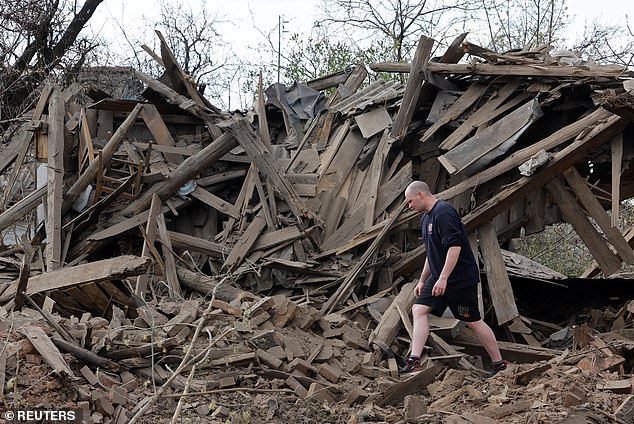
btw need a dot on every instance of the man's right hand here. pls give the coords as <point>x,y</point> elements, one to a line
<point>419,288</point>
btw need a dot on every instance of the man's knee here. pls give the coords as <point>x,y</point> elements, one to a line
<point>420,310</point>
<point>474,324</point>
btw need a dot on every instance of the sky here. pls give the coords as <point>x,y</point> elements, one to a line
<point>246,20</point>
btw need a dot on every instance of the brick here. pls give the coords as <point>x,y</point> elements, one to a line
<point>293,348</point>
<point>320,393</point>
<point>356,395</point>
<point>260,306</point>
<point>118,395</point>
<point>414,406</point>
<point>329,372</point>
<point>284,313</point>
<point>393,367</point>
<point>269,359</point>
<point>297,387</point>
<point>335,320</point>
<point>221,412</point>
<point>106,380</point>
<point>90,377</point>
<point>228,381</point>
<point>278,352</point>
<point>302,366</point>
<point>306,317</point>
<point>332,332</point>
<point>259,319</point>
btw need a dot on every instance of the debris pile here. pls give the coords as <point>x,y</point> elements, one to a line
<point>160,250</point>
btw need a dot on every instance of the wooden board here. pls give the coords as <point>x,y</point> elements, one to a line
<point>497,278</point>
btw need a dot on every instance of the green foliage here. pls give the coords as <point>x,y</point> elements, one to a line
<point>560,248</point>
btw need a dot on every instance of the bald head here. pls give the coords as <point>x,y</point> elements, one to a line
<point>417,187</point>
<point>419,196</point>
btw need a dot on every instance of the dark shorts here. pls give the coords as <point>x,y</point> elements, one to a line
<point>463,302</point>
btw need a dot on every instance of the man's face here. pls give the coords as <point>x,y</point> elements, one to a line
<point>416,201</point>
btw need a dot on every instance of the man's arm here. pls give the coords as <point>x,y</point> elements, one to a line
<point>450,263</point>
<point>423,277</point>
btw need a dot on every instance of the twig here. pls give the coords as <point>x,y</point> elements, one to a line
<point>610,416</point>
<point>230,390</point>
<point>62,332</point>
<point>179,407</point>
<point>184,362</point>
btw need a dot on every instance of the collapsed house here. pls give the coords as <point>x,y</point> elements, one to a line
<point>146,222</point>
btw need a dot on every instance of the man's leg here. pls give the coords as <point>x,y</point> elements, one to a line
<point>420,324</point>
<point>486,337</point>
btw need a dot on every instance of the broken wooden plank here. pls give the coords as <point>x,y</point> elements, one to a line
<point>115,268</point>
<point>159,130</point>
<point>560,161</point>
<point>575,129</point>
<point>478,151</point>
<point>375,174</point>
<point>596,211</point>
<point>607,260</point>
<point>497,278</point>
<point>171,276</point>
<point>245,243</point>
<point>412,91</point>
<point>473,94</point>
<point>347,286</point>
<point>55,183</point>
<point>486,69</point>
<point>215,202</point>
<point>617,159</point>
<point>413,385</point>
<point>483,114</point>
<point>45,347</point>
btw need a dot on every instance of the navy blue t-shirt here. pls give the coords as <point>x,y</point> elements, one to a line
<point>442,229</point>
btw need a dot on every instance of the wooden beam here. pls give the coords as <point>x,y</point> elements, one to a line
<point>187,170</point>
<point>55,183</point>
<point>115,268</point>
<point>376,172</point>
<point>161,134</point>
<point>560,161</point>
<point>600,251</point>
<point>412,90</point>
<point>390,324</point>
<point>244,243</point>
<point>498,280</point>
<point>186,241</point>
<point>150,230</point>
<point>486,69</point>
<point>215,202</point>
<point>347,286</point>
<point>171,275</point>
<point>559,137</point>
<point>594,208</point>
<point>617,162</point>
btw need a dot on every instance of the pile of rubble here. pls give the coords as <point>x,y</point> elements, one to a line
<point>163,255</point>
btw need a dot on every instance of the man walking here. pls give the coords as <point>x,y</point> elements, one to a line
<point>449,278</point>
